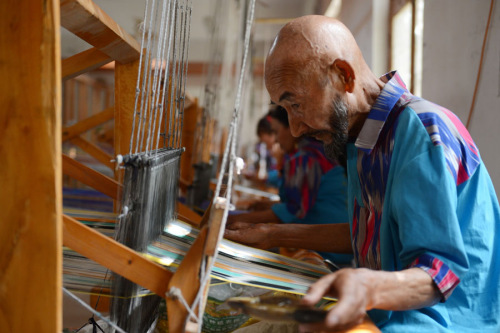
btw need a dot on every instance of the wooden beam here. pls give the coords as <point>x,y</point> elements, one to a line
<point>89,22</point>
<point>87,124</point>
<point>94,151</point>
<point>115,256</point>
<point>184,213</point>
<point>30,146</point>
<point>92,178</point>
<point>191,114</point>
<point>125,82</point>
<point>83,62</point>
<point>186,278</point>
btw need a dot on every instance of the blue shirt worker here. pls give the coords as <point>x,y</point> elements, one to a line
<point>423,215</point>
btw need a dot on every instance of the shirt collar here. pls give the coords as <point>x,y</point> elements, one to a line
<point>392,91</point>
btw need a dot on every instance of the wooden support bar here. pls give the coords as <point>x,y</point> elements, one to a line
<point>94,151</point>
<point>92,178</point>
<point>30,146</point>
<point>83,62</point>
<point>87,124</point>
<point>125,82</point>
<point>89,22</point>
<point>214,231</point>
<point>187,215</point>
<point>191,114</point>
<point>115,256</point>
<point>186,279</point>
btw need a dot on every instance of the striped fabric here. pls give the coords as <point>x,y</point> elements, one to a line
<point>302,172</point>
<point>376,142</point>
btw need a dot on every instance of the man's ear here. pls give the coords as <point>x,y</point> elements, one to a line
<point>346,74</point>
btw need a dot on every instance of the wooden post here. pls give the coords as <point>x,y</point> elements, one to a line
<point>125,83</point>
<point>30,147</point>
<point>191,114</point>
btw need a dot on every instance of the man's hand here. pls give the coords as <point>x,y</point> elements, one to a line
<point>252,234</point>
<point>261,205</point>
<point>265,216</point>
<point>363,289</point>
<point>351,289</point>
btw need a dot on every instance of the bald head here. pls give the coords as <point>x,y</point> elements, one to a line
<point>315,66</point>
<point>311,43</point>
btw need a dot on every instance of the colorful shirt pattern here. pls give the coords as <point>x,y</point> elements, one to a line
<point>313,191</point>
<point>419,196</point>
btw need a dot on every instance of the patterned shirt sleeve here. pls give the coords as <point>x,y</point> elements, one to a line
<point>424,208</point>
<point>441,274</point>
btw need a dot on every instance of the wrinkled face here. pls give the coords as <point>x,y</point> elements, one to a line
<point>283,136</point>
<point>314,109</point>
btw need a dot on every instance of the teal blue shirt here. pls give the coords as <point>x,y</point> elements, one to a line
<point>314,191</point>
<point>420,196</point>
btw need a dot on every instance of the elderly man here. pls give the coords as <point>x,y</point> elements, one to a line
<point>424,217</point>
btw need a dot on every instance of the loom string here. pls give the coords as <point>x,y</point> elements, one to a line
<point>178,91</point>
<point>158,70</point>
<point>146,96</point>
<point>167,77</point>
<point>160,51</point>
<point>144,75</point>
<point>232,139</point>
<point>154,176</point>
<point>211,86</point>
<point>182,77</point>
<point>95,312</point>
<point>137,89</point>
<point>174,92</point>
<point>172,86</point>
<point>185,57</point>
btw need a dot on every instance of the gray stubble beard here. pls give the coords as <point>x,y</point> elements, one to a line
<point>337,148</point>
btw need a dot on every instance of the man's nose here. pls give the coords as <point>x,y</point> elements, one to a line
<point>297,127</point>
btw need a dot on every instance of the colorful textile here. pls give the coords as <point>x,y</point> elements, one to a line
<point>420,196</point>
<point>314,191</point>
<point>302,178</point>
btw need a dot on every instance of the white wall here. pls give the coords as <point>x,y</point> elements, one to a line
<point>357,16</point>
<point>453,37</point>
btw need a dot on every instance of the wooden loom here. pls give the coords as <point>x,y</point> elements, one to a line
<point>33,228</point>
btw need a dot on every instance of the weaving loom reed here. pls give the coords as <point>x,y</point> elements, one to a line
<point>152,166</point>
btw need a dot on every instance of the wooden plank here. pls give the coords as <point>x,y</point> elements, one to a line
<point>31,191</point>
<point>89,22</point>
<point>184,213</point>
<point>87,124</point>
<point>191,114</point>
<point>94,151</point>
<point>125,83</point>
<point>83,62</point>
<point>90,177</point>
<point>115,256</point>
<point>186,279</point>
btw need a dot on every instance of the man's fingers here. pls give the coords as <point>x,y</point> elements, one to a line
<point>318,289</point>
<point>346,313</point>
<point>233,235</point>
<point>238,225</point>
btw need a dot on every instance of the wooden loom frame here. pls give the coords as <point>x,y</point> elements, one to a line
<point>33,228</point>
